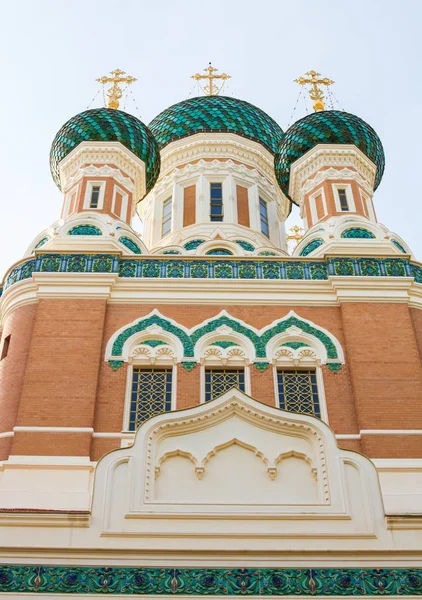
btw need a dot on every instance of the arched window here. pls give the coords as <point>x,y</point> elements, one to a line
<point>298,379</point>
<point>224,360</point>
<point>151,383</point>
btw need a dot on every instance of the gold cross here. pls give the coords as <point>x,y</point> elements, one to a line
<point>115,92</point>
<point>312,78</point>
<point>210,89</point>
<point>296,234</point>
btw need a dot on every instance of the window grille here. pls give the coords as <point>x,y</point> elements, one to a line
<point>263,214</point>
<point>219,381</point>
<point>151,394</point>
<point>298,391</point>
<point>166,226</point>
<point>216,205</point>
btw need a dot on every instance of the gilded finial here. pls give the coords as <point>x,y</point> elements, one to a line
<point>115,92</point>
<point>295,235</point>
<point>211,89</point>
<point>314,79</point>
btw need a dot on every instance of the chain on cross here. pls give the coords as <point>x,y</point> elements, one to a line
<point>115,92</point>
<point>211,89</point>
<point>314,79</point>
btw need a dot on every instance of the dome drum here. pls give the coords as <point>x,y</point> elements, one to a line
<point>99,131</point>
<point>337,130</point>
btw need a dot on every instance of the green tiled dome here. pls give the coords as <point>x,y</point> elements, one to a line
<point>216,114</point>
<point>327,127</point>
<point>107,125</point>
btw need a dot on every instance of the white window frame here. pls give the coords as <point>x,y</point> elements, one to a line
<point>168,199</point>
<point>368,206</point>
<point>128,393</point>
<point>125,203</point>
<point>88,194</point>
<point>68,202</point>
<point>349,196</point>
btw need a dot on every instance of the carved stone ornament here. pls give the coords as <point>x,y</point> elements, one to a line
<point>218,467</point>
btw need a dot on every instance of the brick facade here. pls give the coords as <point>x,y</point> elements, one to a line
<point>55,374</point>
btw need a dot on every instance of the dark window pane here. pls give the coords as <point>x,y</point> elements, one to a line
<point>95,194</point>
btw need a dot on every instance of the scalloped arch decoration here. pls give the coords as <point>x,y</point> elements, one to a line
<point>259,338</point>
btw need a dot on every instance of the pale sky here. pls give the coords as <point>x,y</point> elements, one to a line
<point>53,50</point>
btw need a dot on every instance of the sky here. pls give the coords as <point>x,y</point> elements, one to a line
<point>51,52</point>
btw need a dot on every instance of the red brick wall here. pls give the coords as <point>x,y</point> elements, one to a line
<point>386,373</point>
<point>18,325</point>
<point>68,383</point>
<point>189,205</point>
<point>242,206</point>
<point>60,384</point>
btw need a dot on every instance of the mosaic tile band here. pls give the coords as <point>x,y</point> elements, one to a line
<point>107,125</point>
<point>188,268</point>
<point>327,127</point>
<point>155,581</point>
<point>216,114</point>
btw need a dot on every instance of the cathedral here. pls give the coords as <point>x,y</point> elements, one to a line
<point>204,408</point>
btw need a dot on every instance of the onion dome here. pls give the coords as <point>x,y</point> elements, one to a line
<point>107,125</point>
<point>327,127</point>
<point>216,114</point>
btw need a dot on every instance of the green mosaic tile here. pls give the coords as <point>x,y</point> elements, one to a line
<point>218,582</point>
<point>216,114</point>
<point>399,246</point>
<point>84,230</point>
<point>357,233</point>
<point>130,244</point>
<point>107,125</point>
<point>45,240</point>
<point>311,247</point>
<point>245,245</point>
<point>327,127</point>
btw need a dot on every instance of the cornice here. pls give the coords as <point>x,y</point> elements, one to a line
<point>345,156</point>
<point>332,291</point>
<point>104,153</point>
<point>103,171</point>
<point>214,145</point>
<point>210,167</point>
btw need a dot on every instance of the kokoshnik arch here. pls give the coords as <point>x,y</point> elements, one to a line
<point>195,410</point>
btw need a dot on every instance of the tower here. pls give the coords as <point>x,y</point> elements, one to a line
<point>193,411</point>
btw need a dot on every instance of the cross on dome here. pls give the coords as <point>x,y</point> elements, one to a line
<point>115,92</point>
<point>314,79</point>
<point>211,89</point>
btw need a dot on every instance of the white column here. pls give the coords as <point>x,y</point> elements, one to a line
<point>272,223</point>
<point>254,220</point>
<point>229,200</point>
<point>177,208</point>
<point>202,200</point>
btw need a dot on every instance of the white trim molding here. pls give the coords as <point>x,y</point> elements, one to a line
<point>344,161</point>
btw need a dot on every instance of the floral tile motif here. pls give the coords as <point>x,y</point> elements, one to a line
<point>199,582</point>
<point>235,268</point>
